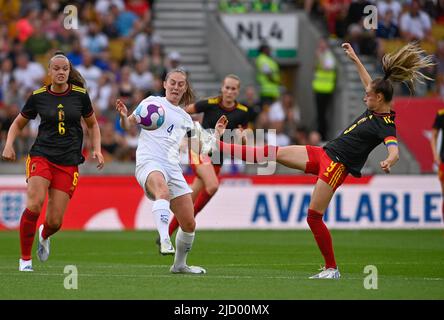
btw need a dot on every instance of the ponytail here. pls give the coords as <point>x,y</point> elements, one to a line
<point>403,65</point>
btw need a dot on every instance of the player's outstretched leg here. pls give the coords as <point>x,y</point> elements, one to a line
<point>184,243</point>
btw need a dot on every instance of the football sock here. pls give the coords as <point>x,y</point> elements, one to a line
<point>201,200</point>
<point>48,231</point>
<point>28,224</point>
<point>248,153</point>
<point>184,242</point>
<point>161,212</point>
<point>322,237</point>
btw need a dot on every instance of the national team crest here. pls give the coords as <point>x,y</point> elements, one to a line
<point>12,204</point>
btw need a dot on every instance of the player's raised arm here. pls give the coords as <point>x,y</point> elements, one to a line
<point>363,74</point>
<point>125,120</point>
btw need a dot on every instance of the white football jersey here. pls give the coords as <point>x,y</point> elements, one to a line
<point>163,143</point>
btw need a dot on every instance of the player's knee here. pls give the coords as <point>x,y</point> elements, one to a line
<point>34,204</point>
<point>54,223</point>
<point>188,226</point>
<point>162,193</point>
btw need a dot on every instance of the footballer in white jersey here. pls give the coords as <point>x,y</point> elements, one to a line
<point>158,150</point>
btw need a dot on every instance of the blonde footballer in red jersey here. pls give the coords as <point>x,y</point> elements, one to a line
<point>349,151</point>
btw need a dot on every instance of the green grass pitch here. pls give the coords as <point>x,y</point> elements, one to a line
<point>270,265</point>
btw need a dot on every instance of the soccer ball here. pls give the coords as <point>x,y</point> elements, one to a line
<point>150,116</point>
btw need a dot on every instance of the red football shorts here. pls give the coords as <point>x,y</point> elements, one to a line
<point>441,172</point>
<point>197,160</point>
<point>63,178</point>
<point>320,164</point>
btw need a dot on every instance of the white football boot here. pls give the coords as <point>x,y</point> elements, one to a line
<point>25,265</point>
<point>43,246</point>
<point>188,269</point>
<point>329,273</point>
<point>166,247</point>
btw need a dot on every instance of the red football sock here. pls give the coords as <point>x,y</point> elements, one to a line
<point>48,231</point>
<point>259,154</point>
<point>174,224</point>
<point>322,237</point>
<point>28,224</point>
<point>201,200</point>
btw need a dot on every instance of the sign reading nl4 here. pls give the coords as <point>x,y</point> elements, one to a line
<point>280,31</point>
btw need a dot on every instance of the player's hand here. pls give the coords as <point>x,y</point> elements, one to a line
<point>349,51</point>
<point>385,166</point>
<point>8,154</point>
<point>98,155</point>
<point>221,124</point>
<point>121,108</point>
<point>437,159</point>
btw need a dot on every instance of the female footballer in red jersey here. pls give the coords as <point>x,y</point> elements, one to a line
<point>349,151</point>
<point>438,156</point>
<point>52,164</point>
<point>206,182</point>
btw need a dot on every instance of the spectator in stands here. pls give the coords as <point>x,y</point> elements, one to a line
<point>362,40</point>
<point>51,23</point>
<point>267,75</point>
<point>141,8</point>
<point>174,61</point>
<point>105,89</point>
<point>389,5</point>
<point>25,25</point>
<point>387,29</point>
<point>113,144</point>
<point>95,41</point>
<point>356,12</point>
<point>38,43</point>
<point>102,7</point>
<point>324,83</point>
<point>335,14</point>
<point>415,24</point>
<point>76,54</point>
<point>439,67</point>
<point>28,74</point>
<point>266,6</point>
<point>254,106</point>
<point>90,73</point>
<point>109,27</point>
<point>124,20</point>
<point>125,86</point>
<point>233,6</point>
<point>284,117</point>
<point>6,71</point>
<point>141,77</point>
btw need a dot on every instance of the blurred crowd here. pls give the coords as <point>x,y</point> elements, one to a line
<point>119,53</point>
<point>398,22</point>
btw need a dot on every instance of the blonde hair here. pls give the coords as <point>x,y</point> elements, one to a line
<point>189,96</point>
<point>403,65</point>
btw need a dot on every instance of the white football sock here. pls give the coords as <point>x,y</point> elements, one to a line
<point>184,242</point>
<point>161,212</point>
